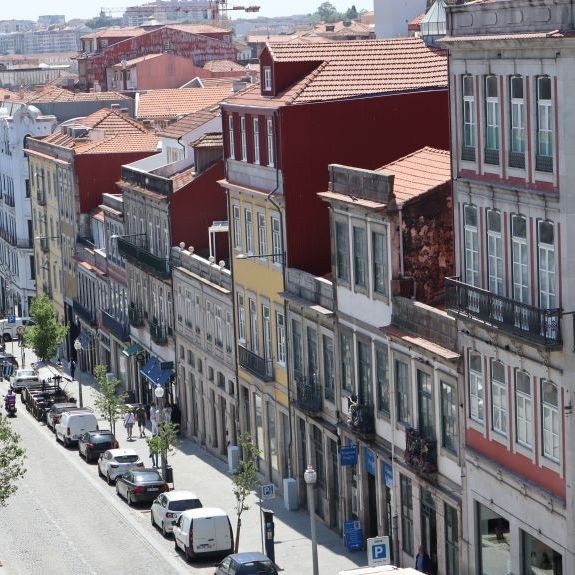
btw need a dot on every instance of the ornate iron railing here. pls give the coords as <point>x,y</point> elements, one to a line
<point>420,452</point>
<point>117,328</point>
<point>360,417</point>
<point>254,363</point>
<point>158,333</point>
<point>308,393</point>
<point>135,250</point>
<point>84,313</point>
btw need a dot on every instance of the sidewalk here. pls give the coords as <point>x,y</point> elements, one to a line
<point>207,476</point>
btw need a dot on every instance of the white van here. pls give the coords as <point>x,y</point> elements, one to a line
<point>73,424</point>
<point>383,570</point>
<point>204,531</point>
<point>9,330</point>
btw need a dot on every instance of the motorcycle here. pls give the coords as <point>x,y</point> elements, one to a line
<point>10,405</point>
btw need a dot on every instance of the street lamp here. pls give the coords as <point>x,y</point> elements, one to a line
<point>78,348</point>
<point>159,393</point>
<point>310,478</point>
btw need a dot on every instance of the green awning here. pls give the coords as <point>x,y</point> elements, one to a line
<point>132,349</point>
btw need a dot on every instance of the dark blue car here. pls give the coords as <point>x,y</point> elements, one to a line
<point>246,564</point>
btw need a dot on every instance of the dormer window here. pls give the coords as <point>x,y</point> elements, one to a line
<point>267,78</point>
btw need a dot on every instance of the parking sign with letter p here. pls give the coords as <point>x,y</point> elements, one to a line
<point>378,551</point>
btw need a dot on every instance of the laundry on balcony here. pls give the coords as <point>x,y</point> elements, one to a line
<point>132,350</point>
<point>157,372</point>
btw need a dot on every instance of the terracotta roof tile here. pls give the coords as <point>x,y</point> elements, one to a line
<point>55,94</point>
<point>209,140</point>
<point>190,122</point>
<point>116,33</point>
<point>223,66</point>
<point>199,28</point>
<point>171,103</point>
<point>118,144</point>
<point>517,36</point>
<point>415,24</point>
<point>183,178</point>
<point>420,342</point>
<point>419,173</point>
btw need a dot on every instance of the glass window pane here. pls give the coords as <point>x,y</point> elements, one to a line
<point>494,542</point>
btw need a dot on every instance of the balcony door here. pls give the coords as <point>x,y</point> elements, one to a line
<point>425,404</point>
<point>429,527</point>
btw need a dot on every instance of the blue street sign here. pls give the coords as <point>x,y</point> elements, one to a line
<point>348,455</point>
<point>369,461</point>
<point>378,551</point>
<point>388,474</point>
<point>11,319</point>
<point>353,535</point>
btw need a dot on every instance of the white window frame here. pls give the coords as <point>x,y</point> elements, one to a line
<point>270,141</point>
<point>277,249</point>
<point>253,313</point>
<point>267,78</point>
<point>491,114</point>
<point>469,112</point>
<point>476,390</point>
<point>267,331</point>
<point>249,231</point>
<point>520,260</point>
<point>237,223</point>
<point>281,338</point>
<point>243,139</point>
<point>517,133</point>
<point>495,252</point>
<point>499,401</point>
<point>544,120</point>
<point>262,235</point>
<point>523,410</point>
<point>547,271</point>
<point>256,134</point>
<point>241,319</point>
<point>218,331</point>
<point>232,144</point>
<point>550,425</point>
<point>471,232</point>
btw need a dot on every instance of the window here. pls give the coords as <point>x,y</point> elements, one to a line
<point>402,391</point>
<point>379,247</point>
<point>231,135</point>
<point>494,252</point>
<point>520,257</point>
<point>540,558</point>
<point>359,257</point>
<point>256,130</point>
<point>546,253</point>
<point>312,360</point>
<point>493,530</point>
<point>550,420</point>
<point>382,381</point>
<point>262,234</point>
<point>471,245</point>
<point>253,325</point>
<point>475,387</point>
<point>544,123</point>
<point>241,319</point>
<point>243,139</point>
<point>425,404</point>
<point>491,120</point>
<point>267,78</point>
<point>297,349</point>
<point>523,409</point>
<point>270,138</point>
<point>328,377</point>
<point>342,251</point>
<point>345,341</point>
<point>209,321</point>
<point>517,120</point>
<point>364,373</point>
<point>498,398</point>
<point>229,332</point>
<point>406,514</point>
<point>198,314</point>
<point>237,227</point>
<point>449,416</point>
<point>469,122</point>
<point>249,231</point>
<point>281,337</point>
<point>276,240</point>
<point>219,331</point>
<point>267,332</point>
<point>451,541</point>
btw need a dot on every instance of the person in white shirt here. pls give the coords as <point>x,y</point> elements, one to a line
<point>129,421</point>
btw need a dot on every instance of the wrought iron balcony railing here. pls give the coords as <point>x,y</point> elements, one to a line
<point>308,393</point>
<point>115,327</point>
<point>254,363</point>
<point>360,417</point>
<point>540,326</point>
<point>84,313</point>
<point>420,452</point>
<point>135,250</point>
<point>135,316</point>
<point>158,333</point>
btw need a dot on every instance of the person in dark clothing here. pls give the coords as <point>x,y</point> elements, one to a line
<point>72,368</point>
<point>423,561</point>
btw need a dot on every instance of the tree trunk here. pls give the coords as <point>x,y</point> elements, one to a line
<point>238,528</point>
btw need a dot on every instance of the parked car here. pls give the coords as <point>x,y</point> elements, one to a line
<point>246,564</point>
<point>8,365</point>
<point>204,531</point>
<point>140,485</point>
<point>93,443</point>
<point>22,378</point>
<point>9,330</point>
<point>114,462</point>
<point>169,506</point>
<point>55,412</point>
<point>73,424</point>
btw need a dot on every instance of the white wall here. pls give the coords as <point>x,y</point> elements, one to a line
<point>393,16</point>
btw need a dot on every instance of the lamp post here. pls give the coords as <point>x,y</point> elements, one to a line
<point>78,348</point>
<point>310,477</point>
<point>159,393</point>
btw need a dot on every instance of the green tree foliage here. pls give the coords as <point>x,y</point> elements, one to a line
<point>46,335</point>
<point>103,22</point>
<point>164,442</point>
<point>352,13</point>
<point>245,479</point>
<point>12,456</point>
<point>109,403</point>
<point>327,12</point>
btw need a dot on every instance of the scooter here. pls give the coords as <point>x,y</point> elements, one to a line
<point>10,405</point>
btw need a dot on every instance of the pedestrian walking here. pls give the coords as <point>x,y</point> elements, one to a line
<point>154,419</point>
<point>72,368</point>
<point>129,423</point>
<point>423,561</point>
<point>167,414</point>
<point>141,418</point>
<point>154,458</point>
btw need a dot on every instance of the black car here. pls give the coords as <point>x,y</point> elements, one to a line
<point>93,443</point>
<point>142,485</point>
<point>246,564</point>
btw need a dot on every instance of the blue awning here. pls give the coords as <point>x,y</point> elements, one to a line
<point>153,371</point>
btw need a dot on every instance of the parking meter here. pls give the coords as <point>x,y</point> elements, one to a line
<point>269,534</point>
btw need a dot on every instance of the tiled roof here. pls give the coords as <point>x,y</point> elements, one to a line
<point>343,27</point>
<point>171,103</point>
<point>223,66</point>
<point>116,33</point>
<point>119,144</point>
<point>419,172</point>
<point>213,82</point>
<point>415,24</point>
<point>55,94</point>
<point>348,69</point>
<point>263,38</point>
<point>183,178</point>
<point>209,140</point>
<point>430,346</point>
<point>199,28</point>
<point>189,123</point>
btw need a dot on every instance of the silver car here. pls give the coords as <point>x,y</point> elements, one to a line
<point>22,378</point>
<point>169,506</point>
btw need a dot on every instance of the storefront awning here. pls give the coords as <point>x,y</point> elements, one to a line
<point>157,372</point>
<point>132,349</point>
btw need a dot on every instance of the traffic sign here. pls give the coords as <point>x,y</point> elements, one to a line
<point>11,319</point>
<point>268,491</point>
<point>378,551</point>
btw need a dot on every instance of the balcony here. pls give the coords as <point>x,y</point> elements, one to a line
<point>360,418</point>
<point>115,327</point>
<point>85,314</point>
<point>135,250</point>
<point>255,364</point>
<point>135,316</point>
<point>158,333</point>
<point>308,393</point>
<point>539,326</point>
<point>420,452</point>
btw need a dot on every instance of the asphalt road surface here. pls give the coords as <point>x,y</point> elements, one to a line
<point>64,520</point>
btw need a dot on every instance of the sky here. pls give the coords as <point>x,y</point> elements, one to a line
<point>31,9</point>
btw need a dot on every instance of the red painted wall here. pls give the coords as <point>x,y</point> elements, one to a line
<point>364,133</point>
<point>516,463</point>
<point>284,74</point>
<point>98,173</point>
<point>195,206</point>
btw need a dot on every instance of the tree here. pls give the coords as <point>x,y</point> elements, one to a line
<point>109,403</point>
<point>352,14</point>
<point>12,456</point>
<point>327,12</point>
<point>245,479</point>
<point>47,334</point>
<point>164,443</point>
